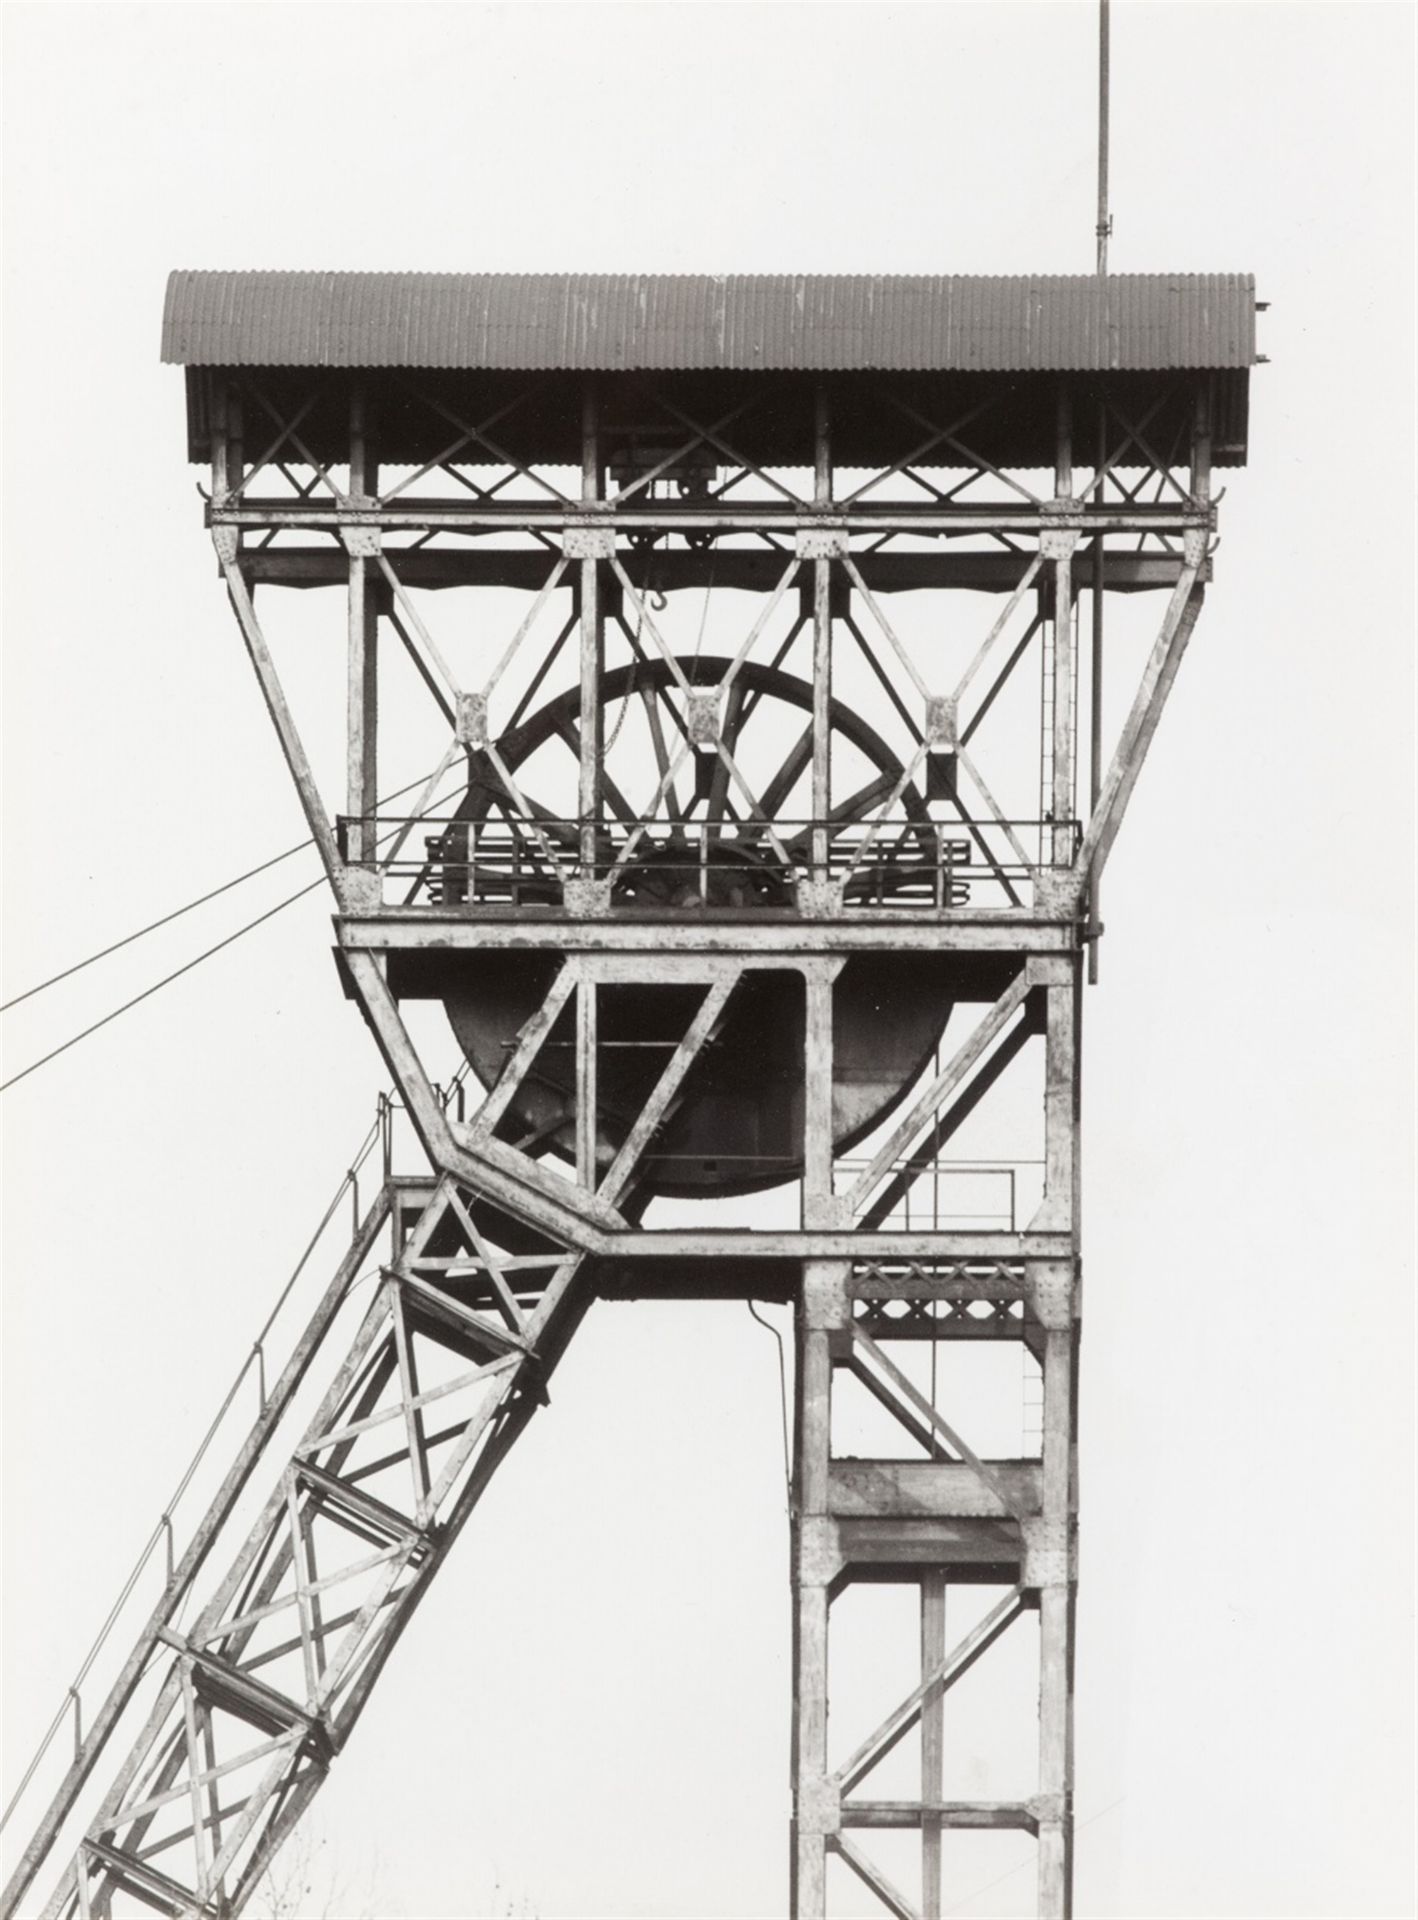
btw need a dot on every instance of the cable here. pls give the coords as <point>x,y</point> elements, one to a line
<point>152,927</point>
<point>1021,1865</point>
<point>783,1397</point>
<point>187,966</point>
<point>177,913</point>
<point>704,615</point>
<point>606,745</point>
<point>166,980</point>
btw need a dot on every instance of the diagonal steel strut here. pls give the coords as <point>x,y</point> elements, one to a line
<point>259,1693</point>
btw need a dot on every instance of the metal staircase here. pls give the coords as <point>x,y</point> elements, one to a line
<point>252,1670</point>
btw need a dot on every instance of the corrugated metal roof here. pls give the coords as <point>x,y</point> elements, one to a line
<point>805,321</point>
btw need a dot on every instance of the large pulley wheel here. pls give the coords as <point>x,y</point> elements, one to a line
<point>736,1124</point>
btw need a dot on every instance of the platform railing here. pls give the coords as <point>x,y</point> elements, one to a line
<point>167,1563</point>
<point>953,1195</point>
<point>897,865</point>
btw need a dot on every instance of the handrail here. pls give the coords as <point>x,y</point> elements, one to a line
<point>512,825</point>
<point>180,1575</point>
<point>379,1134</point>
<point>895,861</point>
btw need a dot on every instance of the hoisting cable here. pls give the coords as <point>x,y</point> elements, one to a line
<point>177,912</point>
<point>649,594</point>
<point>187,966</point>
<point>704,611</point>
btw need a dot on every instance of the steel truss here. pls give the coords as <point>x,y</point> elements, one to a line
<point>258,1694</point>
<point>890,832</point>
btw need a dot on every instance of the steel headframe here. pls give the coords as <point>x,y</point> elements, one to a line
<point>491,1270</point>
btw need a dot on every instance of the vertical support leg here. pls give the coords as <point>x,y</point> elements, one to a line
<point>1054,1573</point>
<point>821,714</point>
<point>822,447</point>
<point>1062,798</point>
<point>1063,456</point>
<point>362,710</point>
<point>590,442</point>
<point>235,451</point>
<point>1044,611</point>
<point>817,1102</point>
<point>217,415</point>
<point>809,1866</point>
<point>592,648</point>
<point>821,646</point>
<point>1050,1555</point>
<point>224,412</point>
<point>932,1741</point>
<point>1095,696</point>
<point>592,655</point>
<point>822,1310</point>
<point>1058,1212</point>
<point>1201,444</point>
<point>586,1098</point>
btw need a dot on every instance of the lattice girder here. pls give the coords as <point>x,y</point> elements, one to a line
<point>747,716</point>
<point>264,1687</point>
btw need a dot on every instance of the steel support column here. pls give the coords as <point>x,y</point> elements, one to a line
<point>362,708</point>
<point>951,1522</point>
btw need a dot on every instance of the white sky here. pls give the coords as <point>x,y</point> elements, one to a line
<point>590,1713</point>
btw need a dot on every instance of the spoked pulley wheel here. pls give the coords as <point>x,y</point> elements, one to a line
<point>705,850</point>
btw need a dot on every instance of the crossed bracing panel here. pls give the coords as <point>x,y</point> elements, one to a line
<point>489,837</point>
<point>652,443</point>
<point>504,1159</point>
<point>951,1513</point>
<point>593,1198</point>
<point>942,1521</point>
<point>263,1688</point>
<point>846,849</point>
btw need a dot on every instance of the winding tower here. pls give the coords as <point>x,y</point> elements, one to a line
<point>747,636</point>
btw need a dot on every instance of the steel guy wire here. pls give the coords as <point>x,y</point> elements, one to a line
<point>186,967</point>
<point>177,913</point>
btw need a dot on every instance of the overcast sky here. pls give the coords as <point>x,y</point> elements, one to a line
<point>590,1714</point>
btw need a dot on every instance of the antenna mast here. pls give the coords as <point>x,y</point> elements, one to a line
<point>1105,219</point>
